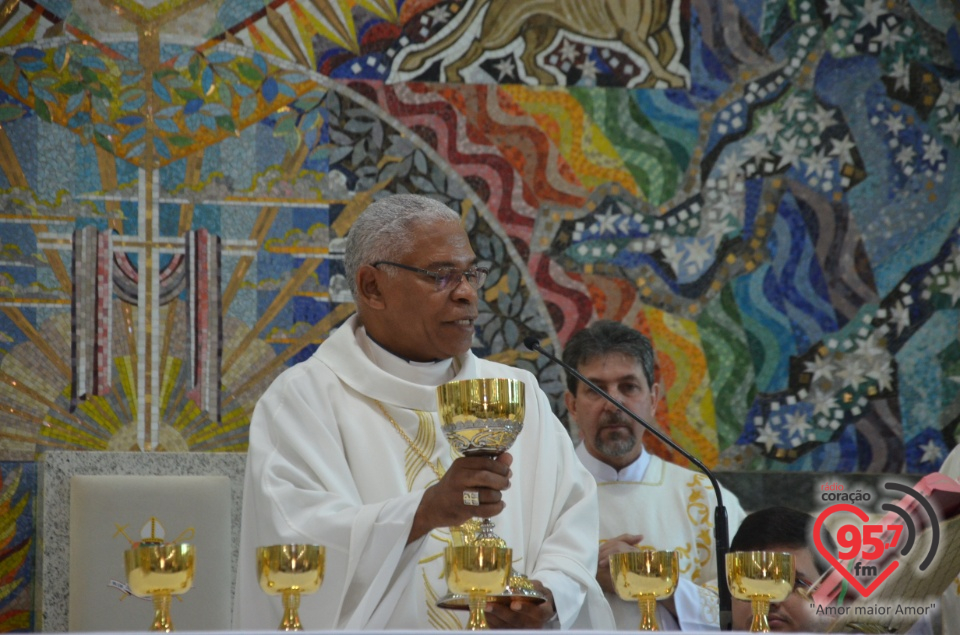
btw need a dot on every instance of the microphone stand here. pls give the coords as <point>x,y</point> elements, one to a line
<point>721,531</point>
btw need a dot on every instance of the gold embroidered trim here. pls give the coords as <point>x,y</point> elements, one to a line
<point>437,468</point>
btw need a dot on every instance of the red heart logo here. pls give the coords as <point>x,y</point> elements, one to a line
<point>862,515</point>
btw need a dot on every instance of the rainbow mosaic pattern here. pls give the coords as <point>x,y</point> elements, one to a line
<point>774,205</point>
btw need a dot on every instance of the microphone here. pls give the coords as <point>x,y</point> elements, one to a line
<point>721,531</point>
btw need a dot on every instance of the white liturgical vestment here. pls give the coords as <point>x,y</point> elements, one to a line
<point>950,601</point>
<point>329,465</point>
<point>673,508</point>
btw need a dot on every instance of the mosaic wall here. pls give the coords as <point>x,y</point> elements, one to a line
<point>763,187</point>
<point>18,486</point>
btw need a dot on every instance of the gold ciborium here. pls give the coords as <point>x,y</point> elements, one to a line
<point>519,588</point>
<point>482,417</point>
<point>645,576</point>
<point>477,571</point>
<point>160,571</point>
<point>762,577</point>
<point>289,571</point>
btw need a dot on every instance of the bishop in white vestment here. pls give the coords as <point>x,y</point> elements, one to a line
<point>346,451</point>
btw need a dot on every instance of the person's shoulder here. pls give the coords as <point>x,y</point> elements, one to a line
<point>680,477</point>
<point>682,471</point>
<point>490,368</point>
<point>951,465</point>
<point>670,466</point>
<point>308,371</point>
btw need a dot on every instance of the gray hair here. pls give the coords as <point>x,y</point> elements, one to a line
<point>384,230</point>
<point>602,338</point>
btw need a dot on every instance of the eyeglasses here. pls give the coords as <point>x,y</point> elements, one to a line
<point>802,587</point>
<point>447,277</point>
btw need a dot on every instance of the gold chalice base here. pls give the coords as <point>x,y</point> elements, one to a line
<point>645,576</point>
<point>289,571</point>
<point>477,572</point>
<point>160,571</point>
<point>518,589</point>
<point>762,577</point>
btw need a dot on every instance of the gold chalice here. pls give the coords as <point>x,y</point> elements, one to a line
<point>160,571</point>
<point>645,576</point>
<point>481,417</point>
<point>477,571</point>
<point>289,571</point>
<point>763,577</point>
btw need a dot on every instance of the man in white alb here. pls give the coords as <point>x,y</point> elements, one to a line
<point>948,605</point>
<point>644,501</point>
<point>346,451</point>
<point>950,602</point>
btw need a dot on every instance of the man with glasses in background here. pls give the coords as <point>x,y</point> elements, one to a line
<point>786,530</point>
<point>346,451</point>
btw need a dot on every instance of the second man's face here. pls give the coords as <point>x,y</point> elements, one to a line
<point>608,434</point>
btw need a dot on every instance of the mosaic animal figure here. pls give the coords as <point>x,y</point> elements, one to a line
<point>632,22</point>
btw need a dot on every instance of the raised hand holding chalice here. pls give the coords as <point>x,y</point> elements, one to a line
<point>481,417</point>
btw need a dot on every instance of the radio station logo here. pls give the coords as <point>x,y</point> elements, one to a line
<point>866,546</point>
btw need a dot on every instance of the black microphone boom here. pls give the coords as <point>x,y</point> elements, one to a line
<point>721,531</point>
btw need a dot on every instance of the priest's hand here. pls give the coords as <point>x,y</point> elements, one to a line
<point>620,544</point>
<point>468,478</point>
<point>522,615</point>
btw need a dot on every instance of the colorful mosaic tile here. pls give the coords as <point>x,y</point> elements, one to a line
<point>772,204</point>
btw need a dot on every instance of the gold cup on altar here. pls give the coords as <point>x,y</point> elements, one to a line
<point>482,417</point>
<point>762,577</point>
<point>645,576</point>
<point>476,572</point>
<point>160,571</point>
<point>290,571</point>
<point>519,587</point>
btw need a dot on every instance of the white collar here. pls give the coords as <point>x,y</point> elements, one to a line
<point>422,373</point>
<point>604,473</point>
<point>404,385</point>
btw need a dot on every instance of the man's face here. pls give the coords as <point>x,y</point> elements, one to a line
<point>417,321</point>
<point>793,615</point>
<point>608,434</point>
